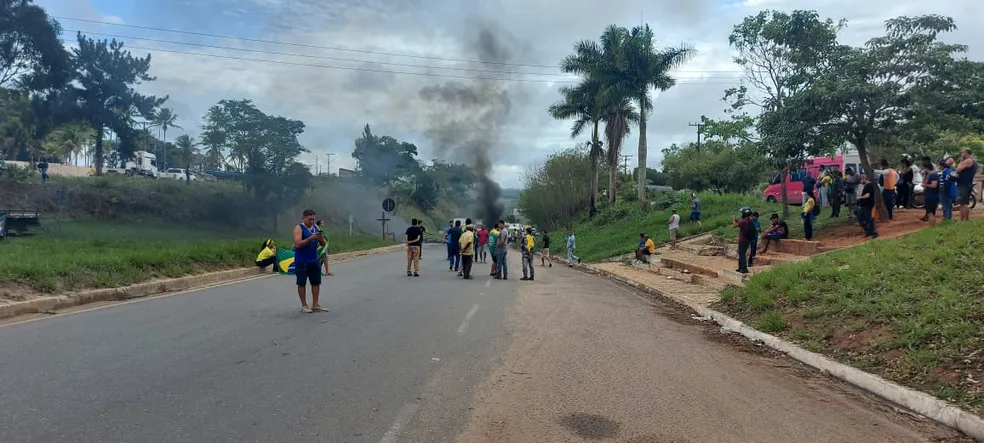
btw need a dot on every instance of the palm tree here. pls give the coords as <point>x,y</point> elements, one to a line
<point>580,103</point>
<point>639,66</point>
<point>165,119</point>
<point>68,140</point>
<point>187,150</point>
<point>619,117</point>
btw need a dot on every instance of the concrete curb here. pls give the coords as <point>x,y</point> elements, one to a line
<point>921,403</point>
<point>46,304</point>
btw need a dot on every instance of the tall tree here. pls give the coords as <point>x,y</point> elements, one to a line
<point>874,88</point>
<point>640,67</point>
<point>781,54</point>
<point>106,77</point>
<point>31,56</point>
<point>580,103</point>
<point>382,159</point>
<point>619,116</point>
<point>165,119</point>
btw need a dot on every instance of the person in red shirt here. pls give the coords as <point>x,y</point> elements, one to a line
<point>746,232</point>
<point>482,248</point>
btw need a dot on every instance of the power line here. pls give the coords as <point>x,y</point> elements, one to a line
<point>294,54</point>
<point>383,71</point>
<point>349,68</point>
<point>698,126</point>
<point>302,45</point>
<point>332,48</point>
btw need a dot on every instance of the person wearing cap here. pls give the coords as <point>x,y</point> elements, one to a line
<point>948,187</point>
<point>745,232</point>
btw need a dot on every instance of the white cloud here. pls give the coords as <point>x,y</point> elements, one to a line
<point>336,103</point>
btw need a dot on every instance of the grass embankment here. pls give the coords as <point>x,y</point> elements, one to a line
<point>909,309</point>
<point>615,230</point>
<point>77,255</point>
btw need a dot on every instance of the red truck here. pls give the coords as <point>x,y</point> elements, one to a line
<point>794,179</point>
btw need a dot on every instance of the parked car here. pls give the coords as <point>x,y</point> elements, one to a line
<point>178,174</point>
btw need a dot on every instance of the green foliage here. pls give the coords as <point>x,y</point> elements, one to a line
<point>553,194</point>
<point>716,166</point>
<point>82,255</point>
<point>871,93</point>
<point>106,77</point>
<point>31,56</point>
<point>920,293</point>
<point>383,159</point>
<point>615,230</point>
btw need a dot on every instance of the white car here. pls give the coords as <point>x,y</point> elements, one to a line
<point>178,174</point>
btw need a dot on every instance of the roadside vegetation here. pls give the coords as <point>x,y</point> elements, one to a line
<point>908,309</point>
<point>71,256</point>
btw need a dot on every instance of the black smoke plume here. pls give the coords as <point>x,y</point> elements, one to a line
<point>466,120</point>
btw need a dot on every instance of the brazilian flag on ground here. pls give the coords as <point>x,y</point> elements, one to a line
<point>285,260</point>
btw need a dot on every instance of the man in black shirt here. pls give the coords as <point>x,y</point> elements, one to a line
<point>414,239</point>
<point>454,234</point>
<point>866,204</point>
<point>545,250</point>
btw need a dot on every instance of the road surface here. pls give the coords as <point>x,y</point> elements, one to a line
<point>569,357</point>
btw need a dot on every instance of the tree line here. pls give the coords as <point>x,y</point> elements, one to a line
<point>383,161</point>
<point>803,94</point>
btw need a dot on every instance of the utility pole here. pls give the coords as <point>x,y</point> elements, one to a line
<point>317,166</point>
<point>625,163</point>
<point>328,163</point>
<point>698,126</point>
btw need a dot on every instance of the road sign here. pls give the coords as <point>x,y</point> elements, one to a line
<point>389,205</point>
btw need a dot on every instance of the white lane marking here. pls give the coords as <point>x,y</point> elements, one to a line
<point>402,420</point>
<point>488,282</point>
<point>468,317</point>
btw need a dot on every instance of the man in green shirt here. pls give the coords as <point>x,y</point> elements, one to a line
<point>493,239</point>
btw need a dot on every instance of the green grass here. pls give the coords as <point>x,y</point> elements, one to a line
<point>910,309</point>
<point>78,255</point>
<point>615,230</point>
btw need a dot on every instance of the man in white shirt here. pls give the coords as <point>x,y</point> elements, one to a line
<point>674,225</point>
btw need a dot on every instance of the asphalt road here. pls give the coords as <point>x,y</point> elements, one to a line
<point>568,358</point>
<point>240,363</point>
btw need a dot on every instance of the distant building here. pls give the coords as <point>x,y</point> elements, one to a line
<point>346,173</point>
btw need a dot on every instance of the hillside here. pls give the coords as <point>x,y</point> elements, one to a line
<point>212,204</point>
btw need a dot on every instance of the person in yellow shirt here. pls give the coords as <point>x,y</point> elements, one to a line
<point>808,215</point>
<point>267,255</point>
<point>648,248</point>
<point>467,244</point>
<point>527,249</point>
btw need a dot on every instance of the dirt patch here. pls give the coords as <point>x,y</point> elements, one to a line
<point>903,223</point>
<point>13,292</point>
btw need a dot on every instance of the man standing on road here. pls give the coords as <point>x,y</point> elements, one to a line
<point>674,226</point>
<point>502,252</point>
<point>571,247</point>
<point>413,240</point>
<point>466,244</point>
<point>966,170</point>
<point>527,248</point>
<point>454,236</point>
<point>493,240</point>
<point>447,241</point>
<point>482,244</point>
<point>545,250</point>
<point>866,204</point>
<point>307,238</point>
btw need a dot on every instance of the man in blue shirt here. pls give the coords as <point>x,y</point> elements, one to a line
<point>571,246</point>
<point>948,189</point>
<point>307,267</point>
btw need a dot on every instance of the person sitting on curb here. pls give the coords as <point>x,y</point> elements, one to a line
<point>648,249</point>
<point>777,231</point>
<point>267,255</point>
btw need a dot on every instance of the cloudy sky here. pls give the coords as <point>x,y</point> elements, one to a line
<point>340,64</point>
